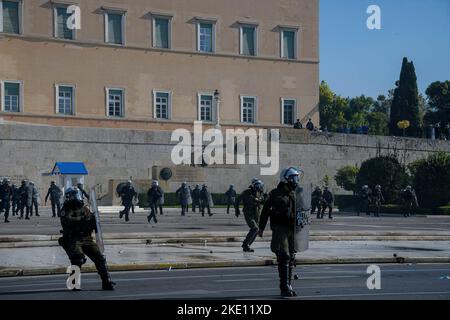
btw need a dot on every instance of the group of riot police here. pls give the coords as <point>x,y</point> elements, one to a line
<point>322,200</point>
<point>19,200</point>
<point>369,199</point>
<point>200,198</point>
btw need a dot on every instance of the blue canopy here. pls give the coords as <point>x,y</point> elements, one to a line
<point>75,168</point>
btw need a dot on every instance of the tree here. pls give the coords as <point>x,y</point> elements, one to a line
<point>385,171</point>
<point>332,109</point>
<point>405,105</point>
<point>438,96</point>
<point>346,178</point>
<point>378,123</point>
<point>361,104</point>
<point>431,180</point>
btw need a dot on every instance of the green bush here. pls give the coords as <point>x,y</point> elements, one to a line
<point>385,171</point>
<point>394,208</point>
<point>171,199</point>
<point>432,180</point>
<point>345,201</point>
<point>346,178</point>
<point>445,210</point>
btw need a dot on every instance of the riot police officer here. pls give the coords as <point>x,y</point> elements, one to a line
<point>281,209</point>
<point>196,198</point>
<point>154,195</point>
<point>328,202</point>
<point>15,200</point>
<point>55,193</point>
<point>84,194</point>
<point>25,200</point>
<point>35,199</point>
<point>78,223</point>
<point>365,197</point>
<point>410,199</point>
<point>316,201</point>
<point>377,199</point>
<point>231,198</point>
<point>127,194</point>
<point>184,196</point>
<point>252,200</point>
<point>5,197</point>
<point>206,201</point>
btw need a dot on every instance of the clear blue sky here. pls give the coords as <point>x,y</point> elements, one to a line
<point>356,60</point>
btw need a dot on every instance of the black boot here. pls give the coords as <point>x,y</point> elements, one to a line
<point>107,283</point>
<point>283,271</point>
<point>291,268</point>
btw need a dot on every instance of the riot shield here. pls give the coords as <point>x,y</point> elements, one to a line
<point>302,212</point>
<point>119,187</point>
<point>94,209</point>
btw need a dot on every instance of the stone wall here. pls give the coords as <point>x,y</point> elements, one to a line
<point>30,151</point>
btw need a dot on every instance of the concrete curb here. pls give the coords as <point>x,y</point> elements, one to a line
<point>18,272</point>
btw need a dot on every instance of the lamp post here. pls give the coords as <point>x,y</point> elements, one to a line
<point>217,100</point>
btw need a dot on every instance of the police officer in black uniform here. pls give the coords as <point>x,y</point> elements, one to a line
<point>5,198</point>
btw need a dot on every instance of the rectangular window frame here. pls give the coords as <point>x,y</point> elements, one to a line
<point>199,99</point>
<point>255,110</point>
<point>296,44</point>
<point>169,106</point>
<point>57,6</point>
<point>20,10</point>
<point>122,116</point>
<point>241,38</point>
<point>57,86</point>
<point>169,18</point>
<point>213,35</point>
<point>21,96</point>
<point>123,13</point>
<point>295,111</point>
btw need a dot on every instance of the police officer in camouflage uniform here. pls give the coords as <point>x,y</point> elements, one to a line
<point>35,198</point>
<point>252,200</point>
<point>127,193</point>
<point>206,201</point>
<point>5,198</point>
<point>365,197</point>
<point>328,202</point>
<point>196,198</point>
<point>377,199</point>
<point>55,193</point>
<point>78,223</point>
<point>25,202</point>
<point>15,200</point>
<point>184,196</point>
<point>410,199</point>
<point>316,201</point>
<point>231,198</point>
<point>154,195</point>
<point>281,209</point>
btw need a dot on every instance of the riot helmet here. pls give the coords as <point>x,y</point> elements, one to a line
<point>73,194</point>
<point>291,176</point>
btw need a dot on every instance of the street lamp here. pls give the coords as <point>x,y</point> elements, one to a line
<point>217,100</point>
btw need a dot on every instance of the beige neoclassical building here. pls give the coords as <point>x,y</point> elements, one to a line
<point>159,64</point>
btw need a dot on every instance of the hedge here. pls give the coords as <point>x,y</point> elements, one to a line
<point>171,199</point>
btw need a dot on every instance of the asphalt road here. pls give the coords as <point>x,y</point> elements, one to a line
<point>194,222</point>
<point>327,282</point>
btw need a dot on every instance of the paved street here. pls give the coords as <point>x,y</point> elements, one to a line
<point>194,222</point>
<point>346,282</point>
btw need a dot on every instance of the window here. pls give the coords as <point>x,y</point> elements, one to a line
<point>289,44</point>
<point>11,96</point>
<point>205,37</point>
<point>205,107</point>
<point>10,16</point>
<point>65,99</point>
<point>248,41</point>
<point>115,102</point>
<point>161,32</point>
<point>61,18</point>
<point>161,104</point>
<point>248,109</point>
<point>288,109</point>
<point>115,28</point>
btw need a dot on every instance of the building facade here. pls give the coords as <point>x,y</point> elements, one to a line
<point>159,64</point>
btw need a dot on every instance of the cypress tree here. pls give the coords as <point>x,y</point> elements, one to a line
<point>405,105</point>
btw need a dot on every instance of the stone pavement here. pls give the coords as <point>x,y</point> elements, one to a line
<point>30,247</point>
